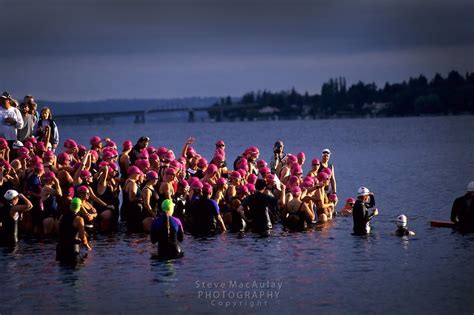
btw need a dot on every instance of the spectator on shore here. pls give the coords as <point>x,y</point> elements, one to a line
<point>28,123</point>
<point>11,119</point>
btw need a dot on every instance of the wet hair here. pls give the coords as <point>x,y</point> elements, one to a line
<point>260,184</point>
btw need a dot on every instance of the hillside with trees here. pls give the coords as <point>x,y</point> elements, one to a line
<point>451,95</point>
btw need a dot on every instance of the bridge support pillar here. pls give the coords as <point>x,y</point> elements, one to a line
<point>191,116</point>
<point>140,118</point>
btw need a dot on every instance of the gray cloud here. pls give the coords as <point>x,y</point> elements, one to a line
<point>101,49</point>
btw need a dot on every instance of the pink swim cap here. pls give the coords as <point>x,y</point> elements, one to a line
<point>49,175</point>
<point>63,157</point>
<point>82,189</point>
<point>127,144</point>
<point>207,189</point>
<point>28,144</point>
<point>243,164</point>
<point>3,143</point>
<point>270,177</point>
<point>250,187</point>
<point>350,200</point>
<point>196,185</point>
<point>264,171</point>
<point>296,170</point>
<point>243,173</point>
<point>84,174</point>
<point>23,150</point>
<point>95,140</point>
<point>332,197</point>
<point>161,151</point>
<point>132,170</point>
<point>170,171</point>
<point>315,162</point>
<point>261,164</point>
<point>296,190</point>
<point>168,156</point>
<point>235,174</point>
<point>143,154</point>
<point>293,181</point>
<point>220,142</point>
<point>111,144</point>
<point>221,182</point>
<point>154,157</point>
<point>183,183</point>
<point>40,146</point>
<point>151,175</point>
<point>142,164</point>
<point>70,144</point>
<point>202,163</point>
<point>322,176</point>
<point>150,150</point>
<point>252,178</point>
<point>107,154</point>
<point>301,155</point>
<point>211,169</point>
<point>242,189</point>
<point>291,159</point>
<point>327,170</point>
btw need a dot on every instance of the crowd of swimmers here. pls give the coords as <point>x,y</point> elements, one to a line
<point>82,190</point>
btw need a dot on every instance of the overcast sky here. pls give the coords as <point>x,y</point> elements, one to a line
<point>85,50</point>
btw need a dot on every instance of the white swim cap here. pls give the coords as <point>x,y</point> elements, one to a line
<point>363,191</point>
<point>10,194</point>
<point>402,220</point>
<point>470,187</point>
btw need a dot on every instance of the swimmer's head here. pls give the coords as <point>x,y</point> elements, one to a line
<point>402,220</point>
<point>75,205</point>
<point>167,206</point>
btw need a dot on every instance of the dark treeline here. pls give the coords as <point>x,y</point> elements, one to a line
<point>419,96</point>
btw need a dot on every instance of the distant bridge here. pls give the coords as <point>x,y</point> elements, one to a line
<point>140,115</point>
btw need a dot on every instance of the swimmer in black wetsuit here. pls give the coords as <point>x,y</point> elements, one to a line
<point>168,232</point>
<point>204,214</point>
<point>71,235</point>
<point>365,199</point>
<point>9,215</point>
<point>462,212</point>
<point>402,229</point>
<point>261,207</point>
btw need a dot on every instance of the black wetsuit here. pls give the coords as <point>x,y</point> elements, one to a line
<point>9,228</point>
<point>463,213</point>
<point>67,250</point>
<point>168,232</point>
<point>131,212</point>
<point>402,231</point>
<point>239,221</point>
<point>153,204</point>
<point>203,212</point>
<point>261,208</point>
<point>361,215</point>
<point>180,204</point>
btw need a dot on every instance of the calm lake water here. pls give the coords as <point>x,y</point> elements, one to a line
<point>415,166</point>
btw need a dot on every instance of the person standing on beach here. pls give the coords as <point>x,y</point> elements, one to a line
<point>28,123</point>
<point>11,119</point>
